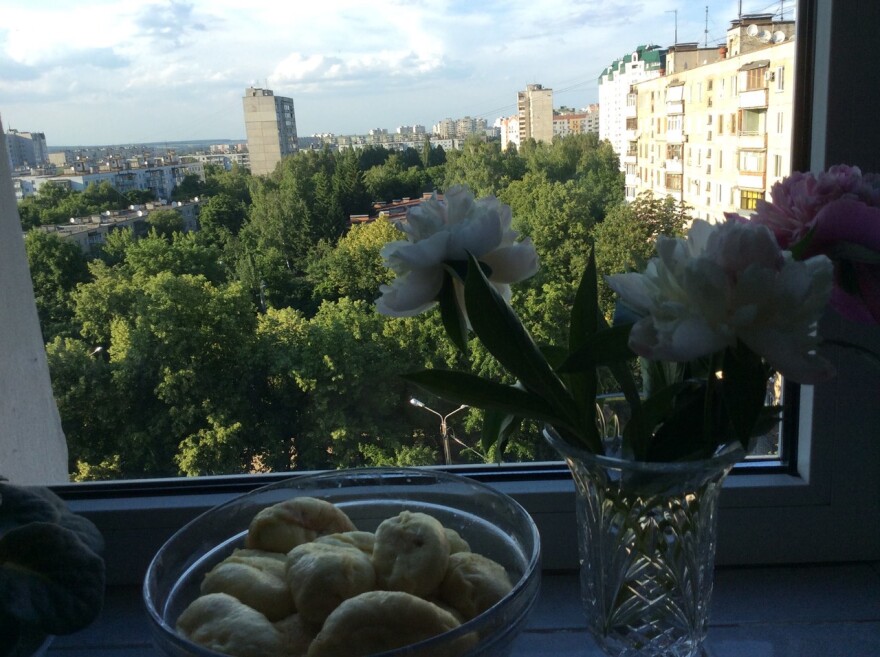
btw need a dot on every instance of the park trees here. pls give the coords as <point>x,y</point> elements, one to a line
<point>57,266</point>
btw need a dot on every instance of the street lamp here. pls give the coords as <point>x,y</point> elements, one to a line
<point>444,432</point>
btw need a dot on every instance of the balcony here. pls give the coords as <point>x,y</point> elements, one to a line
<point>675,136</point>
<point>753,98</point>
<point>752,140</point>
<point>631,111</point>
<point>751,180</point>
<point>676,107</point>
<point>632,180</point>
<point>674,166</point>
<point>631,135</point>
<point>631,157</point>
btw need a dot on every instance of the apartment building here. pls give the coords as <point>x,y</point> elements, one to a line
<point>459,128</point>
<point>508,130</point>
<point>161,179</point>
<point>575,123</point>
<point>644,63</point>
<point>270,126</point>
<point>715,130</point>
<point>26,149</point>
<point>89,233</point>
<point>535,113</point>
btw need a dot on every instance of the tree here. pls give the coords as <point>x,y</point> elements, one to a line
<point>477,165</point>
<point>188,188</point>
<point>345,355</point>
<point>353,268</point>
<point>57,267</point>
<point>626,239</point>
<point>165,222</point>
<point>221,216</point>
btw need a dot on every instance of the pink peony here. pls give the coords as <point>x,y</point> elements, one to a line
<point>835,213</point>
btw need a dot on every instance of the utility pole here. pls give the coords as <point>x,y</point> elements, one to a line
<point>706,29</point>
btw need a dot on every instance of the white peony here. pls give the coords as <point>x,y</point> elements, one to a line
<point>442,231</point>
<point>727,282</point>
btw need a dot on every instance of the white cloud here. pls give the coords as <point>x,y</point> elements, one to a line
<point>349,64</point>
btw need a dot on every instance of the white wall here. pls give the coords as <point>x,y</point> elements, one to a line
<point>32,445</point>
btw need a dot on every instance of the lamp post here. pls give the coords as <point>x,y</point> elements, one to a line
<point>444,429</point>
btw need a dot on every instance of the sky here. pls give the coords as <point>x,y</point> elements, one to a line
<point>96,72</point>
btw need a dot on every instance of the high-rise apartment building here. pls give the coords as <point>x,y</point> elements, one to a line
<point>26,149</point>
<point>715,130</point>
<point>645,63</point>
<point>270,126</point>
<point>535,111</point>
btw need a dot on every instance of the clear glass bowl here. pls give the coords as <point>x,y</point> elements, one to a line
<point>492,523</point>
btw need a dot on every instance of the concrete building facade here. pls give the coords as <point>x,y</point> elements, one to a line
<point>161,180</point>
<point>716,135</point>
<point>644,63</point>
<point>535,113</point>
<point>26,149</point>
<point>270,126</point>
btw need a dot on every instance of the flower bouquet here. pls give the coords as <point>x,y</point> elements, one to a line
<point>711,318</point>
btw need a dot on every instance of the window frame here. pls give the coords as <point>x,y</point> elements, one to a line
<point>815,512</point>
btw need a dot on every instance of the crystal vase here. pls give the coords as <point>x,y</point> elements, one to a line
<point>647,535</point>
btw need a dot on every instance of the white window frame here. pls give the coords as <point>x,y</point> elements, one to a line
<point>825,509</point>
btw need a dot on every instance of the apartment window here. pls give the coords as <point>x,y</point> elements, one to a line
<point>720,159</point>
<point>738,516</point>
<point>673,182</point>
<point>752,122</point>
<point>777,166</point>
<point>719,190</point>
<point>673,151</point>
<point>734,85</point>
<point>748,198</point>
<point>751,161</point>
<point>780,78</point>
<point>673,123</point>
<point>780,121</point>
<point>756,78</point>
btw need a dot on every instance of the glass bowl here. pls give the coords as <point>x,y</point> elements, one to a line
<point>491,522</point>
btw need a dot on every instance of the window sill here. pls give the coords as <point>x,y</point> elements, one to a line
<point>779,611</point>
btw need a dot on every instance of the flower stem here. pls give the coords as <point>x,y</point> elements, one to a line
<point>710,394</point>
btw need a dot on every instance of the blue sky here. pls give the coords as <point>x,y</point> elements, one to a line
<point>123,71</point>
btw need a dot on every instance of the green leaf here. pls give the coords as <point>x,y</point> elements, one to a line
<point>497,428</point>
<point>743,390</point>
<point>504,336</point>
<point>656,410</point>
<point>49,578</point>
<point>466,388</point>
<point>584,383</point>
<point>452,314</point>
<point>604,347</point>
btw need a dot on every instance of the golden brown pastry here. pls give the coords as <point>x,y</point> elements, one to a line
<point>298,635</point>
<point>473,583</point>
<point>283,526</point>
<point>223,623</point>
<point>322,575</point>
<point>363,541</point>
<point>456,542</point>
<point>382,620</point>
<point>410,553</point>
<point>257,581</point>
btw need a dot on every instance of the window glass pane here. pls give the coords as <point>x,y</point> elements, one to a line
<point>205,251</point>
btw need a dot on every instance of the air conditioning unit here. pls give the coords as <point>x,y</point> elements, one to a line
<point>769,76</point>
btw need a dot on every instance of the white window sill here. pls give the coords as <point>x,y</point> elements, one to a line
<point>779,611</point>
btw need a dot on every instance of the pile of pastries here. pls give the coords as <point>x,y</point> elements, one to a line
<point>309,584</point>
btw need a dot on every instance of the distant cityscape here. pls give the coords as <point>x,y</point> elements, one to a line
<point>709,126</point>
